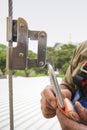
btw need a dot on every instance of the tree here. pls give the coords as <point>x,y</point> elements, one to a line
<point>51,55</point>
<point>64,57</point>
<point>3,58</point>
<point>3,62</point>
<point>61,58</point>
<point>3,47</point>
<point>31,54</point>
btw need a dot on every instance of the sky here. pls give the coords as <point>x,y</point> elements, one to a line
<point>62,20</point>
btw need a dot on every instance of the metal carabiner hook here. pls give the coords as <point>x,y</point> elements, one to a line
<point>55,84</point>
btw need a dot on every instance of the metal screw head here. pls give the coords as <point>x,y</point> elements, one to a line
<point>43,34</point>
<point>41,63</point>
<point>22,25</point>
<point>21,54</point>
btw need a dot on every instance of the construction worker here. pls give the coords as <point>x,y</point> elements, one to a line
<point>68,88</point>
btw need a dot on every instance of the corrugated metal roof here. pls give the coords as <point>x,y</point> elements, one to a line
<point>27,112</point>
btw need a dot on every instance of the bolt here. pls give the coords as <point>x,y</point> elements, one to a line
<point>21,54</point>
<point>21,25</point>
<point>41,63</point>
<point>42,34</point>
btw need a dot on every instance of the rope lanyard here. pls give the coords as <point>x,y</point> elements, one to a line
<point>10,13</point>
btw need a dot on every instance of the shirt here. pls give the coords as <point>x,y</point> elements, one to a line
<point>78,59</point>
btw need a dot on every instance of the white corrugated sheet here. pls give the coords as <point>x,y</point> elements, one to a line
<point>27,112</point>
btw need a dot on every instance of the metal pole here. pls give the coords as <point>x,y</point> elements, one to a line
<point>11,100</point>
<point>10,70</point>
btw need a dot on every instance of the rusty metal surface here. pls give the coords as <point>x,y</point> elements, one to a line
<point>33,35</point>
<point>19,53</point>
<point>19,59</point>
<point>41,38</point>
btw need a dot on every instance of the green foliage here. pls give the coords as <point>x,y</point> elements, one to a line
<point>62,57</point>
<point>19,72</point>
<point>3,47</point>
<point>40,71</point>
<point>3,58</point>
<point>64,67</point>
<point>31,54</point>
<point>51,55</point>
<point>26,73</point>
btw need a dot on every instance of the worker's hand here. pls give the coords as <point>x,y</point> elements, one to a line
<point>82,112</point>
<point>69,124</point>
<point>48,100</point>
<point>65,91</point>
<point>48,103</point>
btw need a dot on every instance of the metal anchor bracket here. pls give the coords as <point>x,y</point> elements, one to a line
<point>41,36</point>
<point>19,55</point>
